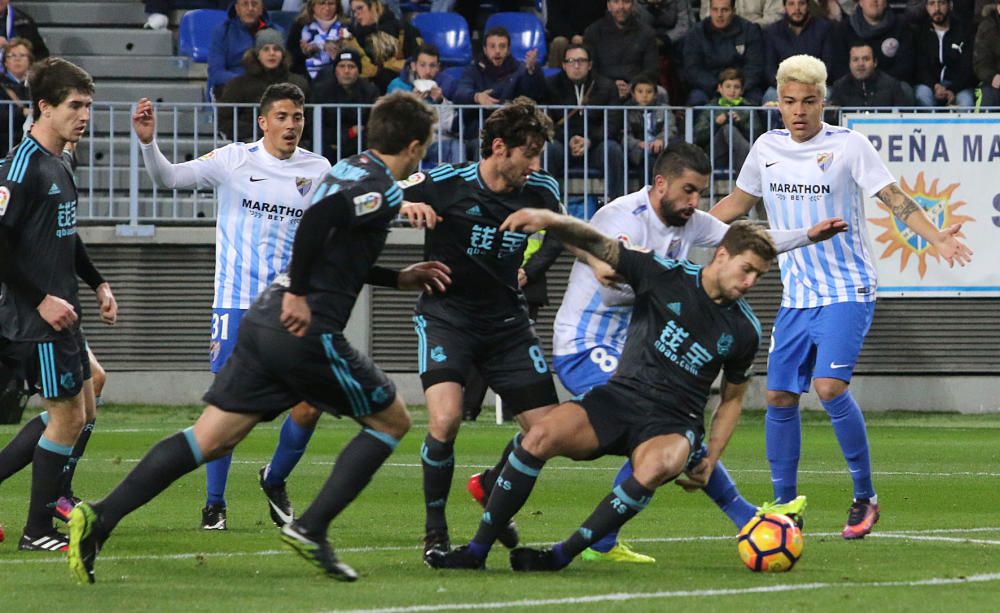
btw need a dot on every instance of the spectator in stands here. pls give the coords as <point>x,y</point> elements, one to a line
<point>965,11</point>
<point>986,57</point>
<point>316,36</point>
<point>497,77</point>
<point>266,64</point>
<point>798,33</point>
<point>18,24</point>
<point>944,59</point>
<point>646,134</point>
<point>723,40</point>
<point>156,10</point>
<point>865,85</point>
<point>17,58</point>
<point>567,19</point>
<point>760,12</point>
<point>669,19</point>
<point>889,36</point>
<point>419,78</point>
<point>342,83</point>
<point>716,131</point>
<point>382,41</point>
<point>586,130</point>
<point>622,45</point>
<point>231,40</point>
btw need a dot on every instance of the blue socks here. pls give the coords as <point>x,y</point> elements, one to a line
<point>292,444</point>
<point>722,490</point>
<point>783,436</point>
<point>849,426</point>
<point>216,475</point>
<point>607,542</point>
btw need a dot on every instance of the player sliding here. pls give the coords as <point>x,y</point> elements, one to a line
<point>807,171</point>
<point>688,323</point>
<point>291,347</point>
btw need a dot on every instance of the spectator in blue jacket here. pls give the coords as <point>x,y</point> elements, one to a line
<point>799,33</point>
<point>232,38</point>
<point>497,77</point>
<point>723,40</point>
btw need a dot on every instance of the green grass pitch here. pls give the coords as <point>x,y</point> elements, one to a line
<point>936,548</point>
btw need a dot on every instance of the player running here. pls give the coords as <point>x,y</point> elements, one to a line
<point>804,172</point>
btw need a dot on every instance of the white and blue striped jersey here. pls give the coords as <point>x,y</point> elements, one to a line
<point>802,183</point>
<point>593,315</point>
<point>260,202</point>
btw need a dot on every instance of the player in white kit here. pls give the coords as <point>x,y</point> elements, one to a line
<point>804,172</point>
<point>591,324</point>
<point>263,190</point>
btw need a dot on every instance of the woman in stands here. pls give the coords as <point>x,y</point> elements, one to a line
<point>18,54</point>
<point>382,40</point>
<point>315,36</point>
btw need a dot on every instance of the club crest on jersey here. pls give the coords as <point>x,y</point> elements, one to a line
<point>414,179</point>
<point>303,184</point>
<point>724,344</point>
<point>208,156</point>
<point>367,203</point>
<point>4,200</point>
<point>824,160</point>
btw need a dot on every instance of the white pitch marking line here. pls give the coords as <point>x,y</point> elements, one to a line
<point>623,597</point>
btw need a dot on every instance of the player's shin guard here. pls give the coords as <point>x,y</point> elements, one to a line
<point>168,460</point>
<point>216,476</point>
<point>783,439</point>
<point>292,444</point>
<point>510,492</point>
<point>605,543</point>
<point>19,451</point>
<point>621,505</point>
<point>438,459</point>
<point>66,487</point>
<point>723,491</point>
<point>47,467</point>
<point>849,426</point>
<point>489,476</point>
<point>354,468</point>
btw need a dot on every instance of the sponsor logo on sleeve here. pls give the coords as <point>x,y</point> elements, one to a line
<point>208,156</point>
<point>367,203</point>
<point>4,200</point>
<point>414,179</point>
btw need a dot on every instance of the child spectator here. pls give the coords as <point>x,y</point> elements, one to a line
<point>646,127</point>
<point>726,129</point>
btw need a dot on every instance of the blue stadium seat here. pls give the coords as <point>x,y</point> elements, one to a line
<point>448,79</point>
<point>551,71</point>
<point>283,19</point>
<point>526,33</point>
<point>449,33</point>
<point>195,34</point>
<point>414,7</point>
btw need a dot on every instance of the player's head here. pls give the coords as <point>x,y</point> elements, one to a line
<point>61,96</point>
<point>400,125</point>
<point>745,253</point>
<point>801,90</point>
<point>513,138</point>
<point>282,118</point>
<point>681,174</point>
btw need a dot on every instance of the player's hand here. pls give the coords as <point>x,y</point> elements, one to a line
<point>697,476</point>
<point>143,121</point>
<point>529,220</point>
<point>606,275</point>
<point>420,215</point>
<point>431,277</point>
<point>828,228</point>
<point>57,312</point>
<point>950,248</point>
<point>295,314</point>
<point>109,306</point>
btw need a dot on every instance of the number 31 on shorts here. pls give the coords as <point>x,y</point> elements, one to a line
<point>604,359</point>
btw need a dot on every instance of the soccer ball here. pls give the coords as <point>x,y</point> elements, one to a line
<point>770,543</point>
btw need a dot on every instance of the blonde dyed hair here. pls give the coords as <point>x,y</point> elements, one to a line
<point>803,69</point>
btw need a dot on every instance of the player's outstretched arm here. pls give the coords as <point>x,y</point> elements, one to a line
<point>724,421</point>
<point>144,121</point>
<point>737,204</point>
<point>906,210</point>
<point>159,168</point>
<point>570,231</point>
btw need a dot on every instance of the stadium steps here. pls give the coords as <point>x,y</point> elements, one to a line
<point>91,40</point>
<point>115,209</point>
<point>156,67</point>
<point>127,13</point>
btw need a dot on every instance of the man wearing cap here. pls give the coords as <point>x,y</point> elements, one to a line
<point>342,83</point>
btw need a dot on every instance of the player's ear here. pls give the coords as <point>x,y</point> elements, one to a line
<point>262,122</point>
<point>499,147</point>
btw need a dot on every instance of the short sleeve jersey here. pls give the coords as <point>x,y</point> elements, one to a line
<point>369,199</point>
<point>803,183</point>
<point>679,338</point>
<point>260,202</point>
<point>483,260</point>
<point>38,206</point>
<point>586,319</point>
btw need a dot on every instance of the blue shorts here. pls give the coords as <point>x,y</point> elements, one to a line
<point>821,342</point>
<point>582,371</point>
<point>225,327</point>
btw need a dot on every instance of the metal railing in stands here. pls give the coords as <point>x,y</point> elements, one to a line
<point>114,188</point>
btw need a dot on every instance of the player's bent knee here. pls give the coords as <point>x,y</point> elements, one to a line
<point>782,399</point>
<point>305,415</point>
<point>540,442</point>
<point>828,389</point>
<point>394,421</point>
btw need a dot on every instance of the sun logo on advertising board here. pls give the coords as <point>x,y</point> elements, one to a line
<point>939,207</point>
